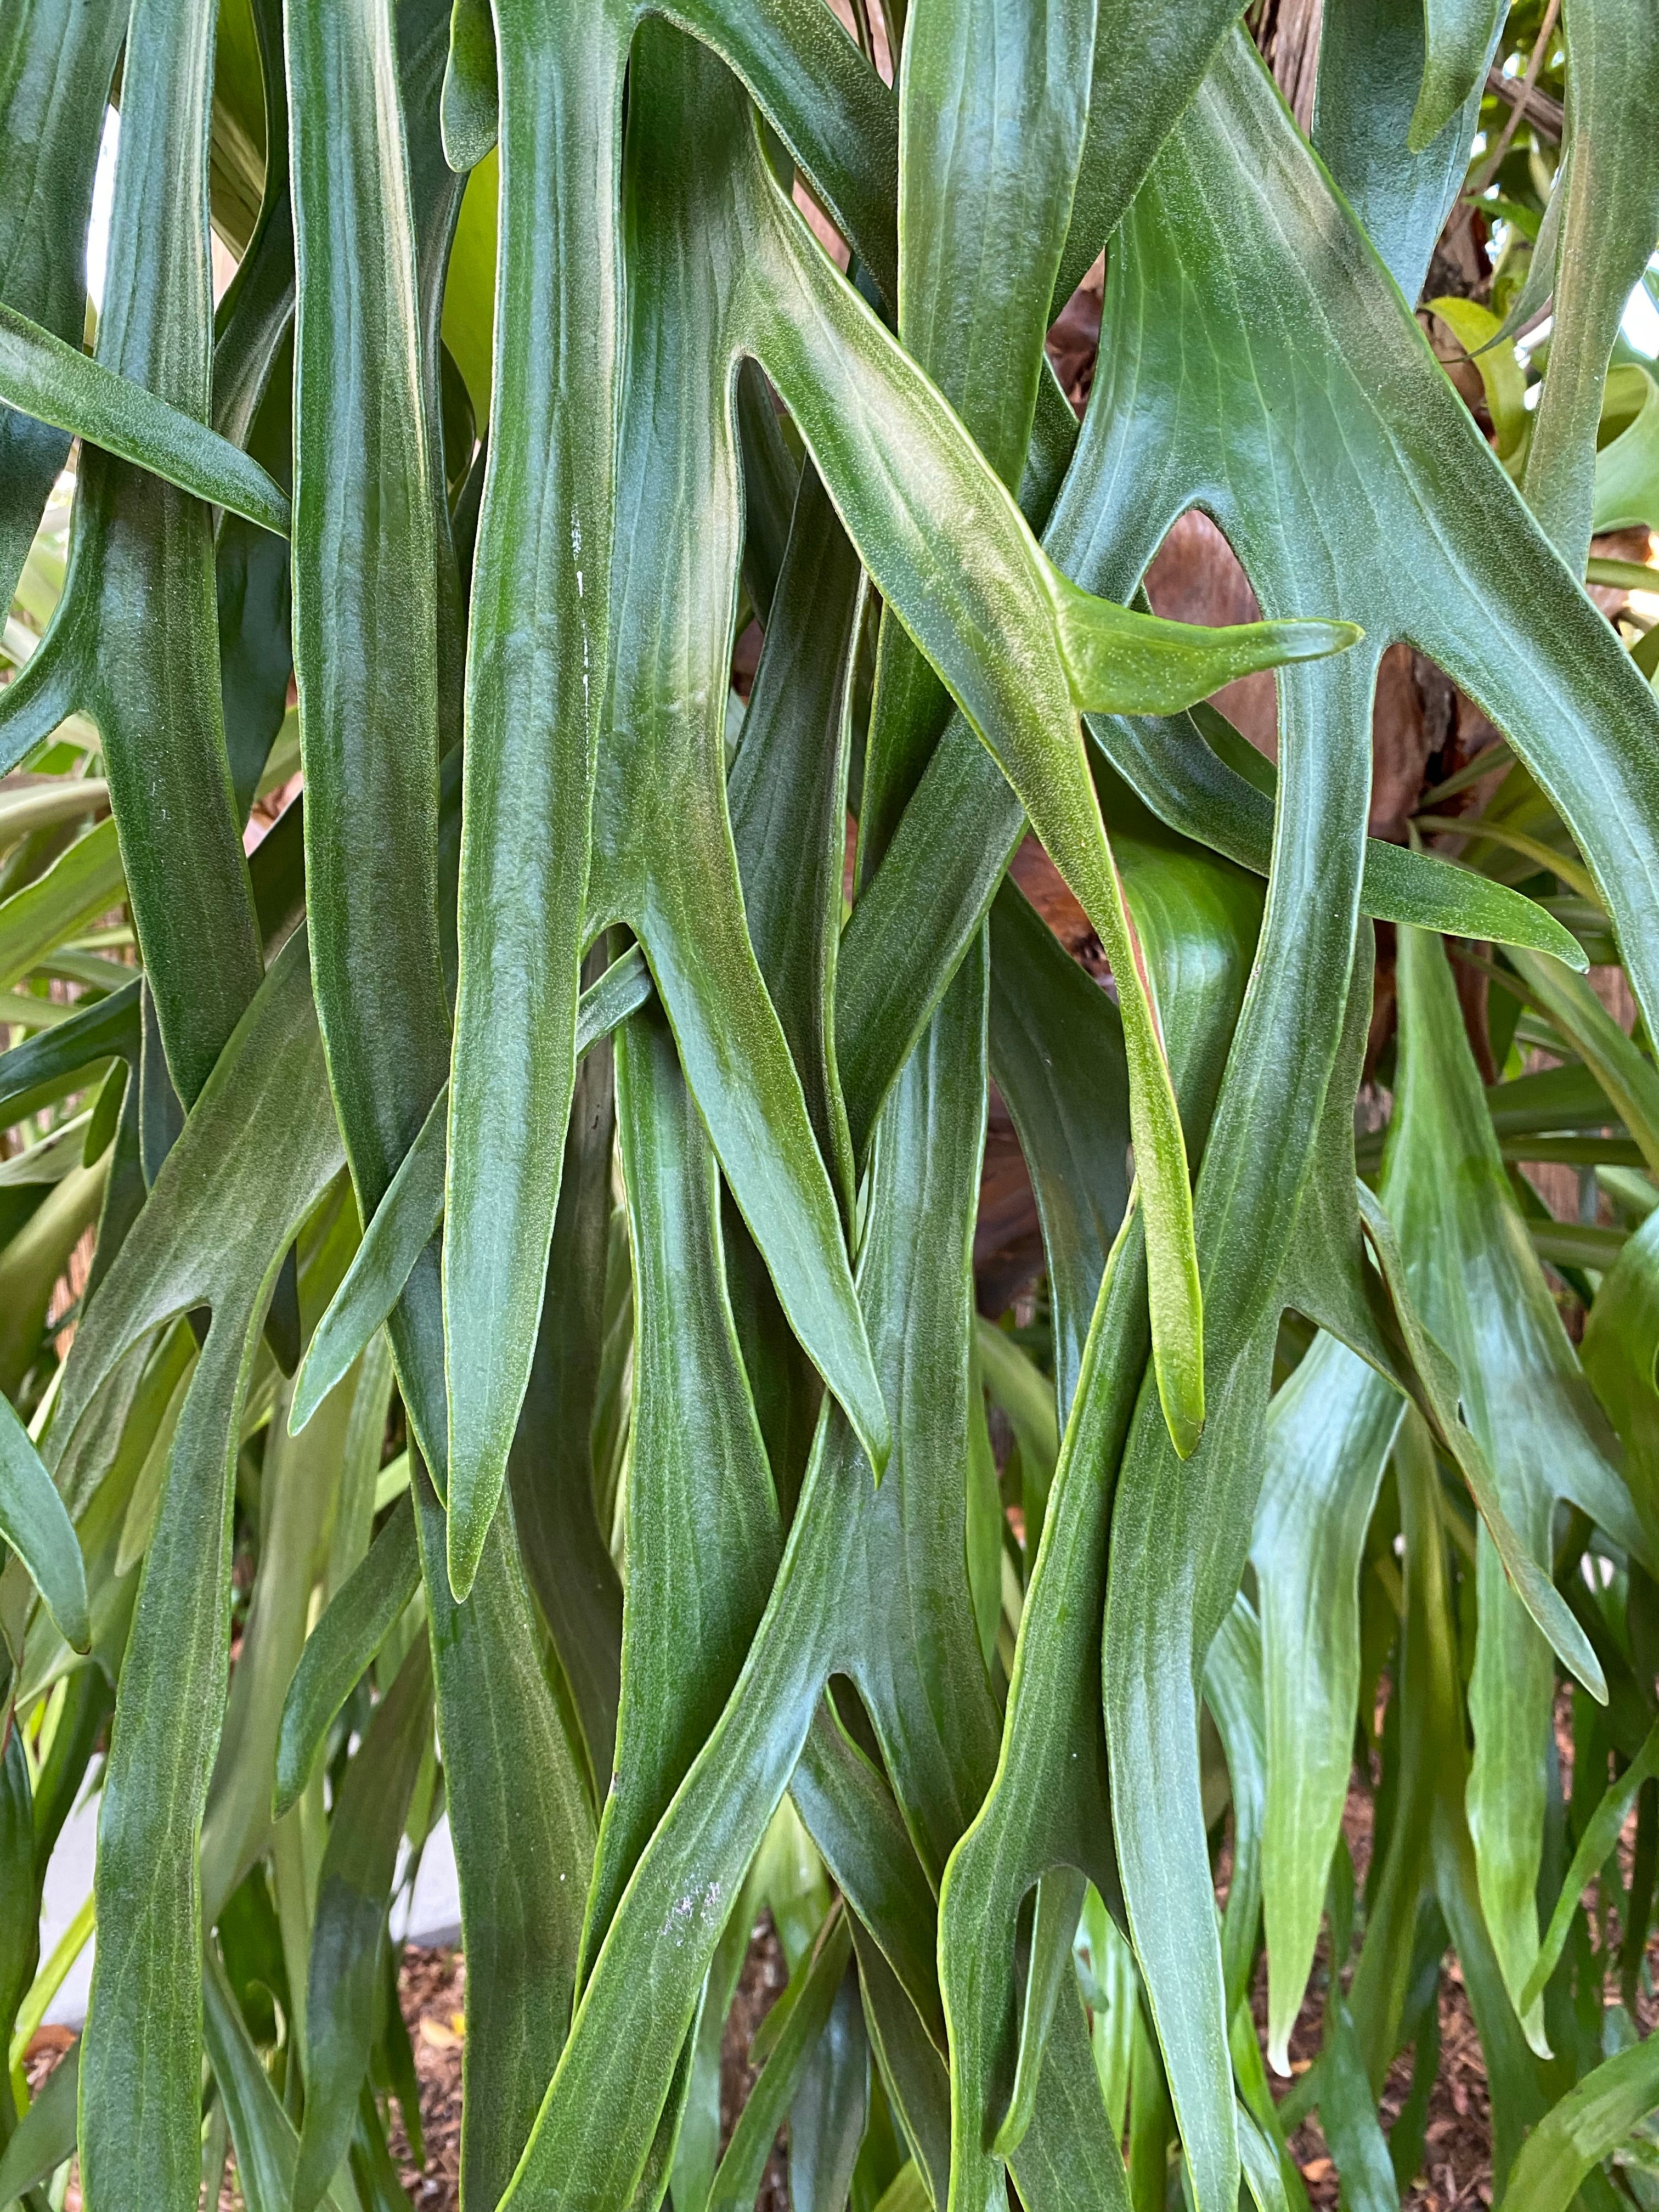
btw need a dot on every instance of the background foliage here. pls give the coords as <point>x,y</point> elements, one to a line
<point>497,1103</point>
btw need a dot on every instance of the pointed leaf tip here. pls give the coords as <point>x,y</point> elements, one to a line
<point>1186,1429</point>
<point>1313,640</point>
<point>1120,660</point>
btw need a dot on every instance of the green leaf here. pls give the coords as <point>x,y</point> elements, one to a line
<point>1049,1801</point>
<point>536,697</point>
<point>1372,64</point>
<point>51,382</point>
<point>701,1512</point>
<point>1057,1057</point>
<point>1501,377</point>
<point>1480,1291</point>
<point>852,1546</point>
<point>1233,1690</point>
<point>403,1223</point>
<point>299,1495</point>
<point>1460,41</point>
<point>45,2135</point>
<point>1573,2136</point>
<point>1186,770</point>
<point>1441,1390</point>
<point>34,1522</point>
<point>368,726</point>
<point>1626,481</point>
<point>259,1149</point>
<point>267,2145</point>
<point>523,1836</point>
<point>788,798</point>
<point>81,884</point>
<point>1624,1071</point>
<point>469,96</point>
<point>1610,219</point>
<point>341,1648</point>
<point>551,1470</point>
<point>1601,1832</point>
<point>1621,1338</point>
<point>133,641</point>
<point>1330,1429</point>
<point>354,1892</point>
<point>54,83</point>
<point>738,2176</point>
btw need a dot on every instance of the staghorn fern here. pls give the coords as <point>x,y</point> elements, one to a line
<point>487,1314</point>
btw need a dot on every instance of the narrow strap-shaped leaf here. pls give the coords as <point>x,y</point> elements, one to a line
<point>1048,1803</point>
<point>260,1147</point>
<point>34,1522</point>
<point>788,798</point>
<point>300,1491</point>
<point>1609,221</point>
<point>1371,60</point>
<point>1260,2165</point>
<point>1050,1970</point>
<point>1459,40</point>
<point>339,1649</point>
<point>404,1221</point>
<point>524,1839</point>
<point>701,1515</point>
<point>400,1229</point>
<point>68,895</point>
<point>1622,1070</point>
<point>1478,1288</point>
<point>824,97</point>
<point>1179,1545</point>
<point>1439,1378</point>
<point>1349,2116</point>
<point>20,1904</point>
<point>550,1470</point>
<point>257,305</point>
<point>1602,1832</point>
<point>1148,64</point>
<point>535,693</point>
<point>367,716</point>
<point>1234,1691</point>
<point>1621,1338</point>
<point>55,383</point>
<point>354,1891</point>
<point>1057,1056</point>
<point>912,2069</point>
<point>267,2144</point>
<point>45,2135</point>
<point>680,886</point>
<point>851,1547</point>
<point>738,2177</point>
<point>972,310</point>
<point>830,2108</point>
<point>54,82</point>
<point>1073,651</point>
<point>1330,1429</point>
<point>1170,763</point>
<point>1594,2117</point>
<point>857,1824</point>
<point>469,94</point>
<point>519,1816</point>
<point>133,643</point>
